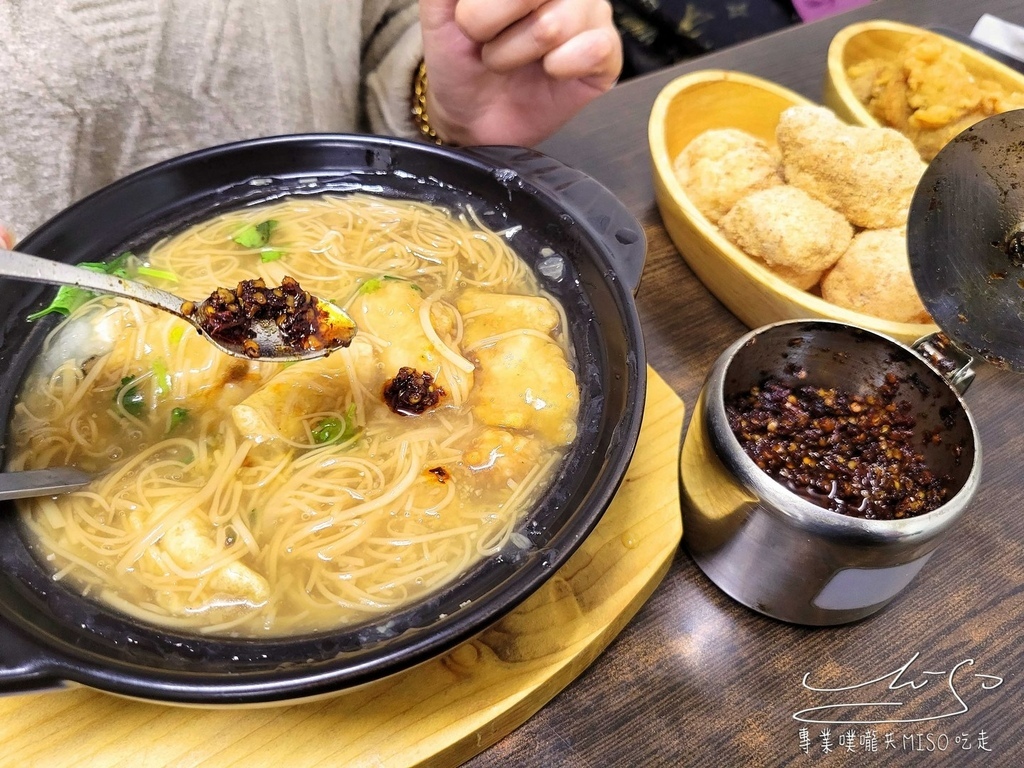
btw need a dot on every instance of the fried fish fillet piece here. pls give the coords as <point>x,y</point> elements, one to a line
<point>221,589</point>
<point>873,277</point>
<point>279,407</point>
<point>523,380</point>
<point>492,314</point>
<point>788,229</point>
<point>721,165</point>
<point>393,312</point>
<point>927,92</point>
<point>500,456</point>
<point>867,174</point>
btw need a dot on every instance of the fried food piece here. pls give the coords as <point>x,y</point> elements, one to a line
<point>501,456</point>
<point>525,382</point>
<point>873,277</point>
<point>927,92</point>
<point>200,370</point>
<point>492,314</point>
<point>785,227</point>
<point>802,281</point>
<point>278,409</point>
<point>721,165</point>
<point>221,590</point>
<point>523,379</point>
<point>866,174</point>
<point>394,313</point>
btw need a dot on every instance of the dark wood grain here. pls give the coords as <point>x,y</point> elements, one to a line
<point>696,679</point>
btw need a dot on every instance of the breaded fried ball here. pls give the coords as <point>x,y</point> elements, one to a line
<point>721,165</point>
<point>873,277</point>
<point>867,174</point>
<point>802,281</point>
<point>787,228</point>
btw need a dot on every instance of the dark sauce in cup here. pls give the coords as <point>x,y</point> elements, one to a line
<point>853,454</point>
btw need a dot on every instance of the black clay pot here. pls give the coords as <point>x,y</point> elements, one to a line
<point>590,253</point>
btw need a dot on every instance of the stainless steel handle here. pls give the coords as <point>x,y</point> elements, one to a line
<point>41,482</point>
<point>955,365</point>
<point>23,266</point>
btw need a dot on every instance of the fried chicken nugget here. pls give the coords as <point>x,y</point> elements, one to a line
<point>721,165</point>
<point>867,174</point>
<point>873,277</point>
<point>788,230</point>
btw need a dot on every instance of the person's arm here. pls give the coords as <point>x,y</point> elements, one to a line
<point>6,238</point>
<point>393,49</point>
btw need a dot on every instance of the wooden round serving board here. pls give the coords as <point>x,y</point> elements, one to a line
<point>440,713</point>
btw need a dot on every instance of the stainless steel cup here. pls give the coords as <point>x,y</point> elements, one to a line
<point>773,550</point>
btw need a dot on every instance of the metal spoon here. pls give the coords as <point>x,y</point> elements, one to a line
<point>41,482</point>
<point>336,328</point>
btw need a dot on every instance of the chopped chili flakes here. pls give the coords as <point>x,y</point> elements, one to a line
<point>229,315</point>
<point>412,392</point>
<point>852,454</point>
<point>442,474</point>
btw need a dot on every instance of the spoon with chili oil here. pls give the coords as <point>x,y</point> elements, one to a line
<point>277,324</point>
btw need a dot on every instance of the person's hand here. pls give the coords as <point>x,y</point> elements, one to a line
<point>6,238</point>
<point>514,71</point>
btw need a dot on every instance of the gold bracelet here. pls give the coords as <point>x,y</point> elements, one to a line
<point>419,105</point>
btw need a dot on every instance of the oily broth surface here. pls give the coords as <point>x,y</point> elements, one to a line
<point>245,499</point>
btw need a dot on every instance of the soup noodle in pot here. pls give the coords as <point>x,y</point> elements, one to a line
<point>250,499</point>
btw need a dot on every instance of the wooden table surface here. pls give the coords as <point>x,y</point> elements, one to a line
<point>697,679</point>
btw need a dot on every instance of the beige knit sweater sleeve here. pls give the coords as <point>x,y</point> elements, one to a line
<point>91,90</point>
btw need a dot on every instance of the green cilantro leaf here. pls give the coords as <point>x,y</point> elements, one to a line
<point>159,274</point>
<point>69,297</point>
<point>336,430</point>
<point>162,377</point>
<point>376,283</point>
<point>178,417</point>
<point>255,235</point>
<point>133,401</point>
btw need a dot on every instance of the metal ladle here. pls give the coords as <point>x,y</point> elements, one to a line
<point>965,218</point>
<point>338,328</point>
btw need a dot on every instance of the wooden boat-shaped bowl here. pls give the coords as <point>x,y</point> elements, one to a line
<point>881,39</point>
<point>685,108</point>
